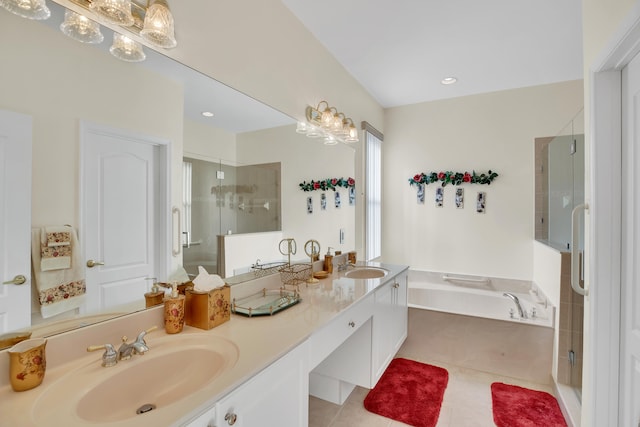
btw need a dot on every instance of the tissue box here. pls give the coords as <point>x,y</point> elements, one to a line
<point>206,310</point>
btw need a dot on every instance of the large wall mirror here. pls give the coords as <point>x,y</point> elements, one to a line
<point>61,84</point>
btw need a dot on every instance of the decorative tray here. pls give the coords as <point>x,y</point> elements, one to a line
<point>265,303</point>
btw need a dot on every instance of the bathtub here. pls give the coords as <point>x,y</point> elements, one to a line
<point>479,297</point>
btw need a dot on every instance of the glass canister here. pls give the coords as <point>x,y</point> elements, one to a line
<point>27,364</point>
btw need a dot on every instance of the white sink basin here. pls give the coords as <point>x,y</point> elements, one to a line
<point>366,273</point>
<point>170,371</point>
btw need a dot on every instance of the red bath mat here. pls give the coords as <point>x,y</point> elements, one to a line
<point>515,406</point>
<point>410,392</point>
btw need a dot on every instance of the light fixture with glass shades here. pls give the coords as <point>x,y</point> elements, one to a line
<point>81,28</point>
<point>150,19</point>
<point>126,49</point>
<point>328,123</point>
<point>158,26</point>
<point>113,11</point>
<point>30,9</point>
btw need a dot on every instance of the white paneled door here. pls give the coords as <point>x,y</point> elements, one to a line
<point>15,221</point>
<point>123,202</point>
<point>630,298</point>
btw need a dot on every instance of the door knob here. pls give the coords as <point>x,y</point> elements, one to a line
<point>230,418</point>
<point>91,263</point>
<point>18,280</point>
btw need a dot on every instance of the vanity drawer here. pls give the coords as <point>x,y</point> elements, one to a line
<point>331,336</point>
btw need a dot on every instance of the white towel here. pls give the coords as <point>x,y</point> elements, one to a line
<point>58,290</point>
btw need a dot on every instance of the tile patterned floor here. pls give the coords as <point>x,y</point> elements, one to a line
<point>467,401</point>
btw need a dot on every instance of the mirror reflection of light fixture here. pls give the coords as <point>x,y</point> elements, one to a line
<point>113,11</point>
<point>158,28</point>
<point>126,49</point>
<point>30,9</point>
<point>327,122</point>
<point>81,28</point>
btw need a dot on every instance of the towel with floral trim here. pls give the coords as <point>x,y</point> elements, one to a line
<point>57,290</point>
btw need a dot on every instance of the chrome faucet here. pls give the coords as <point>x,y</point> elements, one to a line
<point>345,265</point>
<point>139,346</point>
<point>515,299</point>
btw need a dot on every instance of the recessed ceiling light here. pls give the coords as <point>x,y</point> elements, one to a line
<point>207,113</point>
<point>448,80</point>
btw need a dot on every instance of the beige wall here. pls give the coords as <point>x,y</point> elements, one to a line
<point>305,159</point>
<point>60,82</point>
<point>269,55</point>
<point>208,143</point>
<point>490,131</point>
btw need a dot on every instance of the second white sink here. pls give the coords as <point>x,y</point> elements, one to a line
<point>366,273</point>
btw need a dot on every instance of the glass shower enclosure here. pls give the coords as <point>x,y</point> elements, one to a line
<point>221,199</point>
<point>559,189</point>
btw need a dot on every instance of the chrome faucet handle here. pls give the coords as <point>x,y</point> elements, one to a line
<point>145,332</point>
<point>140,345</point>
<point>109,358</point>
<point>141,335</point>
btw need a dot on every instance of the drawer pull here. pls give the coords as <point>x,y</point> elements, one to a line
<point>231,418</point>
<point>396,285</point>
<point>352,324</point>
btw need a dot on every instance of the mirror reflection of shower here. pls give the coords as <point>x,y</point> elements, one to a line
<point>221,199</point>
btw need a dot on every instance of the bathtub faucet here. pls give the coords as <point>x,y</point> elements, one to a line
<point>515,299</point>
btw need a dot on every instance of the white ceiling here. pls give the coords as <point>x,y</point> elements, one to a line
<point>400,50</point>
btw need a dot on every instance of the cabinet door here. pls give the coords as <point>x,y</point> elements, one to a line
<point>399,317</point>
<point>389,323</point>
<point>278,396</point>
<point>382,329</point>
<point>207,419</point>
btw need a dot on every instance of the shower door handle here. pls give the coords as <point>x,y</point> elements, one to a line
<point>575,259</point>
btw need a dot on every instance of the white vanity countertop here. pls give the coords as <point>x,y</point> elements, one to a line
<point>260,340</point>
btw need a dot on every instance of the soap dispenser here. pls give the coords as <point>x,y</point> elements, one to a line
<point>154,297</point>
<point>174,311</point>
<point>328,261</point>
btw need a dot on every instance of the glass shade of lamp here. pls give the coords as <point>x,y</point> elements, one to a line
<point>126,49</point>
<point>302,127</point>
<point>30,9</point>
<point>338,123</point>
<point>330,140</point>
<point>326,119</point>
<point>81,28</point>
<point>353,134</point>
<point>113,11</point>
<point>158,28</point>
<point>313,131</point>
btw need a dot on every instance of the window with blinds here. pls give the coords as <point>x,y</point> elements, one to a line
<point>373,192</point>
